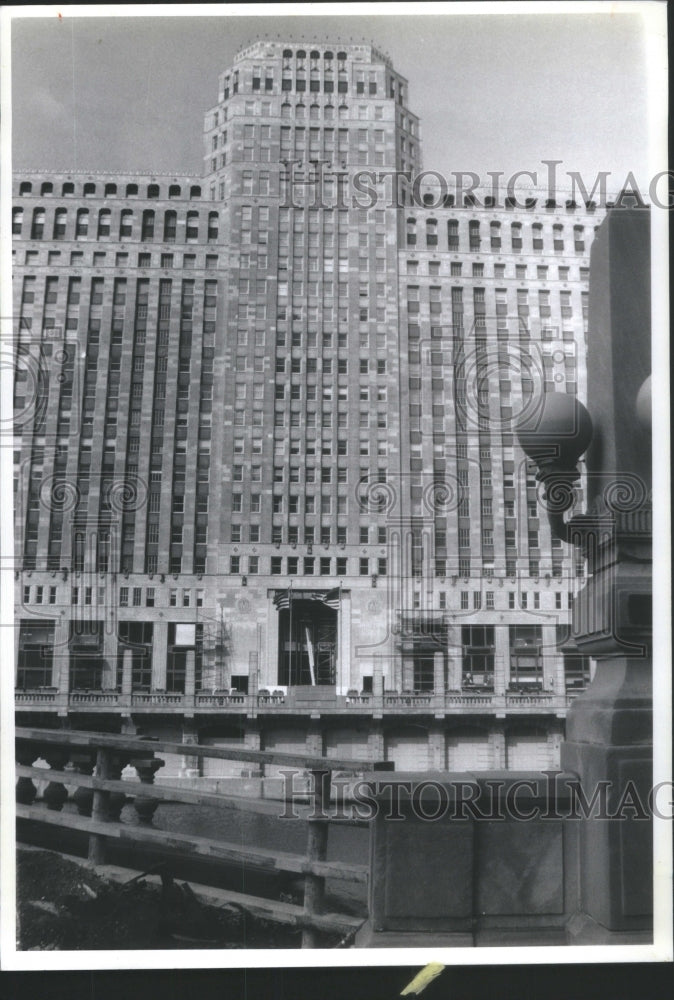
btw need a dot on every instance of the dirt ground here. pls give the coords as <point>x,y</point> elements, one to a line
<point>63,906</point>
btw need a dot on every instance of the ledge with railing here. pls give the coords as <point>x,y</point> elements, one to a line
<point>292,701</point>
<point>92,764</point>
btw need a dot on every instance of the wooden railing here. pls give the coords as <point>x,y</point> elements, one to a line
<point>95,764</point>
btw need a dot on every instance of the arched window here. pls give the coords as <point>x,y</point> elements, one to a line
<point>131,190</point>
<point>60,219</point>
<point>212,226</point>
<point>25,187</point>
<point>287,53</point>
<point>17,221</point>
<point>170,225</point>
<point>448,201</point>
<point>192,230</point>
<point>195,191</point>
<point>285,110</point>
<point>431,232</point>
<point>453,234</point>
<point>314,111</point>
<point>328,55</point>
<point>516,235</point>
<point>299,111</point>
<point>578,238</point>
<point>301,54</point>
<point>147,227</point>
<point>89,189</point>
<point>104,222</point>
<point>329,111</point>
<point>495,235</point>
<point>343,111</point>
<point>47,188</point>
<point>474,234</point>
<point>110,190</point>
<point>537,235</point>
<point>558,237</point>
<point>341,56</point>
<point>153,191</point>
<point>37,228</point>
<point>68,188</point>
<point>315,54</point>
<point>174,191</point>
<point>82,223</point>
<point>411,231</point>
<point>126,224</point>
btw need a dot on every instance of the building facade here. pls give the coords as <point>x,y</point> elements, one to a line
<point>267,490</point>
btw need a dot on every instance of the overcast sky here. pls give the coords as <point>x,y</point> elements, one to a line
<point>494,92</point>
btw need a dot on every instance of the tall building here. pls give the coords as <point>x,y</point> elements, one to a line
<point>267,490</point>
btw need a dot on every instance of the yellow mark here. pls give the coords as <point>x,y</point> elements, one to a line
<point>423,978</point>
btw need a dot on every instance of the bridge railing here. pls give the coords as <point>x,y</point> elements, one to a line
<point>93,762</point>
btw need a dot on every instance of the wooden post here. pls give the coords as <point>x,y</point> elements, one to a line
<point>317,845</point>
<point>99,812</point>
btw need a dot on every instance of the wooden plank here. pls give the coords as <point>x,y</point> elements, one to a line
<point>202,847</point>
<point>126,744</point>
<point>289,914</point>
<point>173,793</point>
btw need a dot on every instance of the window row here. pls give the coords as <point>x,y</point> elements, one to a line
<point>478,232</point>
<point>110,190</point>
<point>309,566</point>
<point>149,225</point>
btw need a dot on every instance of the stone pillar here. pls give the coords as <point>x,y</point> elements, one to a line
<point>375,742</point>
<point>61,660</point>
<point>127,671</point>
<point>190,765</point>
<point>253,673</point>
<point>437,747</point>
<point>159,655</point>
<point>501,659</point>
<point>551,659</point>
<point>439,673</point>
<point>189,673</point>
<point>109,671</point>
<point>252,739</point>
<point>407,667</point>
<point>609,726</point>
<point>344,652</point>
<point>497,744</point>
<point>270,676</point>
<point>315,739</point>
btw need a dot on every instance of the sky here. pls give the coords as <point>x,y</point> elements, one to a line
<point>494,92</point>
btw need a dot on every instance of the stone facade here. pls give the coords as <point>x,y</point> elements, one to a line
<point>266,483</point>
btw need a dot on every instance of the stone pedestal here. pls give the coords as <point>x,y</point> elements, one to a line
<point>608,739</point>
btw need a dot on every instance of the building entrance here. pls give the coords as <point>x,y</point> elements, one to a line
<point>307,640</point>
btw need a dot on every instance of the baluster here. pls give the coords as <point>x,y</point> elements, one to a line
<point>99,811</point>
<point>26,791</point>
<point>146,768</point>
<point>56,793</point>
<point>116,800</point>
<point>83,762</point>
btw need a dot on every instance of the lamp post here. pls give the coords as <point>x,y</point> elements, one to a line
<point>609,727</point>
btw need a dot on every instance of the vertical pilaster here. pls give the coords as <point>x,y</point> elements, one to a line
<point>159,654</point>
<point>345,658</point>
<point>501,659</point>
<point>269,676</point>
